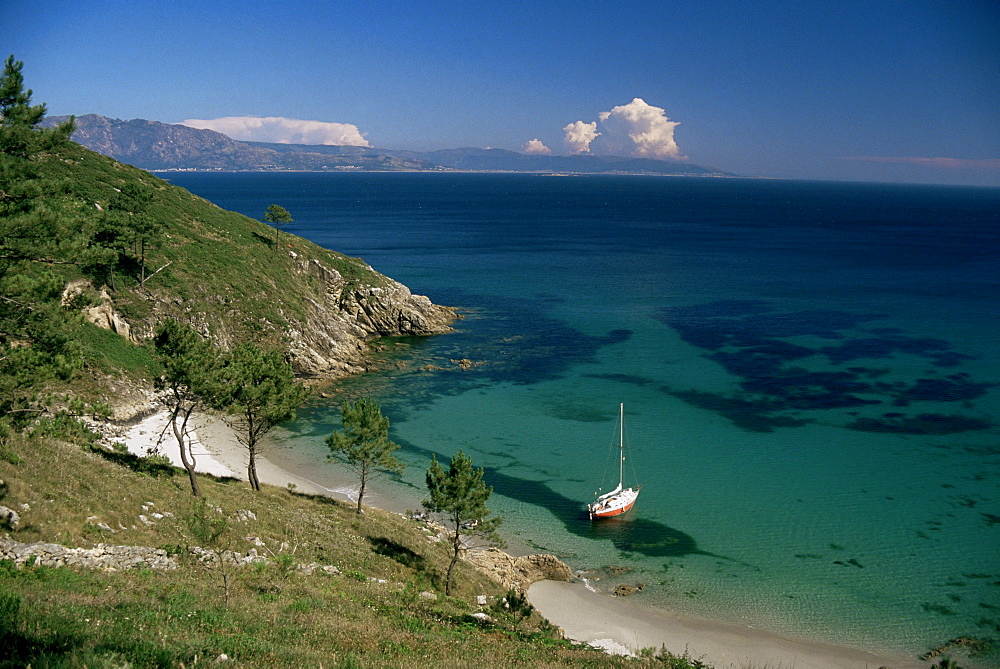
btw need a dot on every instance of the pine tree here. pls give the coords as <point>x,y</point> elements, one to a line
<point>279,217</point>
<point>460,496</point>
<point>33,344</point>
<point>258,391</point>
<point>190,374</point>
<point>365,443</point>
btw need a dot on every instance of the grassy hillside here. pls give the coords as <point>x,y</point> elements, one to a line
<point>370,615</point>
<point>75,244</point>
<point>214,259</point>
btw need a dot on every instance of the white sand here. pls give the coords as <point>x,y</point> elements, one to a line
<point>611,622</point>
<point>218,452</point>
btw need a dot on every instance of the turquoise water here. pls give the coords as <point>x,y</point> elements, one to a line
<point>809,372</point>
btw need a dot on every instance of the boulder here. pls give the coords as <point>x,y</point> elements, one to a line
<point>518,572</point>
<point>626,590</point>
<point>9,517</point>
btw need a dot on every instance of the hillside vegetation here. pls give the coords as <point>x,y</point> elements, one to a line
<point>370,614</point>
<point>95,254</point>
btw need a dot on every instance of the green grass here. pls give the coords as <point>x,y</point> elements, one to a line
<point>370,615</point>
<point>221,268</point>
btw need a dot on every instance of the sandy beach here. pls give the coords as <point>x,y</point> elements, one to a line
<point>614,624</point>
<point>218,452</point>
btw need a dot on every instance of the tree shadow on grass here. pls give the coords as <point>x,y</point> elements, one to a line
<point>408,558</point>
<point>136,463</point>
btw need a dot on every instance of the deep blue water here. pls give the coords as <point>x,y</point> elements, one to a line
<point>810,373</point>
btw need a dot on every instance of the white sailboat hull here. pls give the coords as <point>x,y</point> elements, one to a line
<point>614,503</point>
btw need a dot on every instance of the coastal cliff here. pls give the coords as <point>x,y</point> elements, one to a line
<point>326,338</point>
<point>132,250</point>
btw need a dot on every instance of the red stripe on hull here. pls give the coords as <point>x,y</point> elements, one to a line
<point>613,512</point>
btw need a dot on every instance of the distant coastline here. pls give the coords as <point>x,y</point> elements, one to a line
<point>159,147</point>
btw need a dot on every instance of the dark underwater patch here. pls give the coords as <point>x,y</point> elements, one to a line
<point>776,386</point>
<point>629,379</point>
<point>497,340</point>
<point>750,415</point>
<point>925,424</point>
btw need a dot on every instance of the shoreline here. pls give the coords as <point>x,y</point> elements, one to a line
<point>619,625</point>
<point>612,623</point>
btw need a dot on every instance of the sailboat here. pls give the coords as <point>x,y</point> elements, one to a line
<point>621,499</point>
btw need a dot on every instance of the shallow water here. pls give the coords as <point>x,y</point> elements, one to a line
<point>809,372</point>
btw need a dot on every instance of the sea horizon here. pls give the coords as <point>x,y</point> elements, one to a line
<point>809,373</point>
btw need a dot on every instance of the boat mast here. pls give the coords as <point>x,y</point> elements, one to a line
<point>621,445</point>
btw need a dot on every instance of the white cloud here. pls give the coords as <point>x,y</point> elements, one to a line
<point>536,147</point>
<point>281,130</point>
<point>641,130</point>
<point>579,135</point>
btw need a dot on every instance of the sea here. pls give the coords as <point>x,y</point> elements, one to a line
<point>810,375</point>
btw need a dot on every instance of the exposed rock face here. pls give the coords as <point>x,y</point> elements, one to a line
<point>117,558</point>
<point>519,572</point>
<point>332,341</point>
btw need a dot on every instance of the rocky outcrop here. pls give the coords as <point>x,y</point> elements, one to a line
<point>102,556</point>
<point>117,558</point>
<point>9,517</point>
<point>518,572</point>
<point>345,315</point>
<point>342,316</point>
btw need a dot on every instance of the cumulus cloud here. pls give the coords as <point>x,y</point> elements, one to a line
<point>281,130</point>
<point>641,130</point>
<point>536,147</point>
<point>579,135</point>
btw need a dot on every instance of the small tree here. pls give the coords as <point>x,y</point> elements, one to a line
<point>279,217</point>
<point>135,223</point>
<point>365,442</point>
<point>208,526</point>
<point>189,374</point>
<point>460,495</point>
<point>259,391</point>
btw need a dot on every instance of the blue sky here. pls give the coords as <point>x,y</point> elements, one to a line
<point>882,90</point>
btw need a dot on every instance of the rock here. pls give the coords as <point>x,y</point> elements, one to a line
<point>481,600</point>
<point>102,556</point>
<point>482,617</point>
<point>429,596</point>
<point>617,570</point>
<point>9,517</point>
<point>518,572</point>
<point>626,590</point>
<point>103,315</point>
<point>954,643</point>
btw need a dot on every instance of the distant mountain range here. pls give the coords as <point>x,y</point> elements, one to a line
<point>151,145</point>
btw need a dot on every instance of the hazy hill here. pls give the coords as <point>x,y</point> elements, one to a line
<point>152,145</point>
